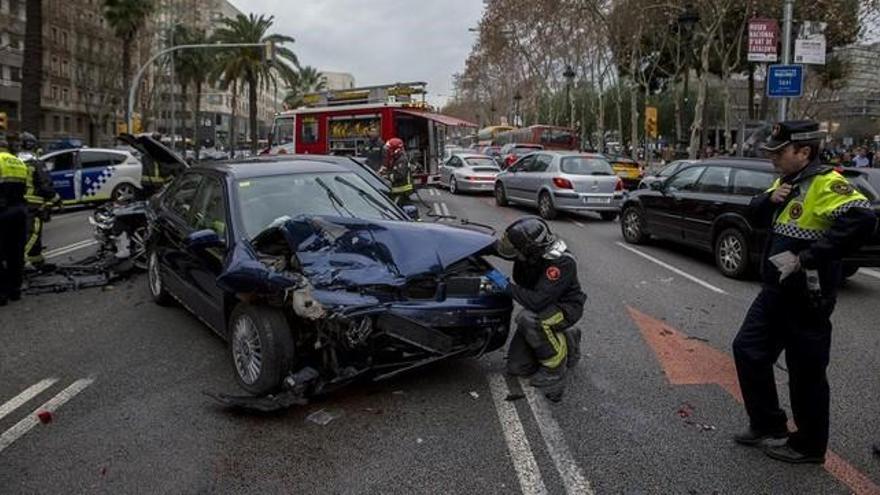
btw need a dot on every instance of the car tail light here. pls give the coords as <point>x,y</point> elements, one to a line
<point>562,183</point>
<point>619,186</point>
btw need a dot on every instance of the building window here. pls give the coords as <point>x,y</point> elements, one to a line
<point>66,124</point>
<point>64,39</point>
<point>56,123</point>
<point>64,71</point>
<point>55,34</point>
<point>55,93</point>
<point>65,95</point>
<point>79,125</point>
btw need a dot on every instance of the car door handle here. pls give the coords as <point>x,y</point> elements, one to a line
<point>68,175</point>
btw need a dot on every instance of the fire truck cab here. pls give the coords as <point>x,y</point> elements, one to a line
<point>344,122</point>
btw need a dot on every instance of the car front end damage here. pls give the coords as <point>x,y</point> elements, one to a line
<point>367,299</point>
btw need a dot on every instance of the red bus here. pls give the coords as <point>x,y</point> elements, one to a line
<point>549,136</point>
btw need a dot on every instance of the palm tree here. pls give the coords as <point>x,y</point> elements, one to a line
<point>193,67</point>
<point>247,65</point>
<point>32,68</point>
<point>126,17</point>
<point>308,80</point>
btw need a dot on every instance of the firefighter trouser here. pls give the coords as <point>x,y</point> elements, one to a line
<point>12,240</point>
<point>33,248</point>
<point>775,322</point>
<point>539,339</point>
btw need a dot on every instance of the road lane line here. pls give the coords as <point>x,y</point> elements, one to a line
<point>28,394</point>
<point>15,432</point>
<point>673,269</point>
<point>445,209</point>
<point>572,476</point>
<point>577,223</point>
<point>869,272</point>
<point>524,463</point>
<point>437,209</point>
<point>54,253</point>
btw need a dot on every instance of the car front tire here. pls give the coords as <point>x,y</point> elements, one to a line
<point>154,280</point>
<point>453,186</point>
<point>500,195</point>
<point>545,207</point>
<point>632,225</point>
<point>732,253</point>
<point>261,347</point>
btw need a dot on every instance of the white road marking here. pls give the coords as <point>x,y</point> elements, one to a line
<point>869,272</point>
<point>444,208</point>
<point>54,253</point>
<point>28,394</point>
<point>524,463</point>
<point>572,476</point>
<point>16,431</point>
<point>673,269</point>
<point>437,209</point>
<point>577,223</point>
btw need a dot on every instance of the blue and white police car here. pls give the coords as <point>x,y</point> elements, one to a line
<point>87,175</point>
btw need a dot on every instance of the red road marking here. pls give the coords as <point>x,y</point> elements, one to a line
<point>689,362</point>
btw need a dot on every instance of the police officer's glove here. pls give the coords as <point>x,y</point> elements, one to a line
<point>499,280</point>
<point>787,263</point>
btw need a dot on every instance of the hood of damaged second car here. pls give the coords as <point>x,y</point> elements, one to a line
<point>351,252</point>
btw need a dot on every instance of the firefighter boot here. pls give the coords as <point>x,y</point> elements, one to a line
<point>551,381</point>
<point>573,343</point>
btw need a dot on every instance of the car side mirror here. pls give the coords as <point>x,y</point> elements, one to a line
<point>203,239</point>
<point>412,211</point>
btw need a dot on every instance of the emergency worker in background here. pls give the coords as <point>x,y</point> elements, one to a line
<point>397,171</point>
<point>13,215</point>
<point>40,195</point>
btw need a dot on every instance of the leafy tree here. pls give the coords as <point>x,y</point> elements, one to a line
<point>126,18</point>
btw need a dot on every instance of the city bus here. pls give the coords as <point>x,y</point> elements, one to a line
<point>548,136</point>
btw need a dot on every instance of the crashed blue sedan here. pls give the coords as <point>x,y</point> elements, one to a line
<point>315,278</point>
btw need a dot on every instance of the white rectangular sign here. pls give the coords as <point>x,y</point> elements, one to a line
<point>809,51</point>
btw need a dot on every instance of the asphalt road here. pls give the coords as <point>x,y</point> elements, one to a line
<point>650,408</point>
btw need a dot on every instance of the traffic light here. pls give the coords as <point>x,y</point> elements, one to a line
<point>651,122</point>
<point>4,122</point>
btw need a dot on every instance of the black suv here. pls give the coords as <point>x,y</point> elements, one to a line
<point>705,205</point>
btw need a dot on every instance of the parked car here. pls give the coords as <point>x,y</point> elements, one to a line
<point>88,175</point>
<point>557,181</point>
<point>662,173</point>
<point>469,172</point>
<point>495,153</point>
<point>867,181</point>
<point>628,170</point>
<point>315,279</point>
<point>705,205</point>
<point>513,151</point>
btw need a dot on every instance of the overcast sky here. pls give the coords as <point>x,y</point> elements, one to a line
<point>379,41</point>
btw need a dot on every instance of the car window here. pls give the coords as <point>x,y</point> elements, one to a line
<point>454,162</point>
<point>64,161</point>
<point>671,169</point>
<point>481,162</point>
<point>751,182</point>
<point>523,164</point>
<point>685,180</point>
<point>863,184</point>
<point>209,211</point>
<point>309,133</point>
<point>97,159</point>
<point>581,165</point>
<point>180,200</point>
<point>715,180</point>
<point>541,163</point>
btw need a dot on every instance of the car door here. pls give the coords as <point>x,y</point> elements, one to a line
<point>664,215</point>
<point>210,211</point>
<point>536,176</point>
<point>452,165</point>
<point>172,226</point>
<point>66,177</point>
<point>704,204</point>
<point>96,172</point>
<point>513,182</point>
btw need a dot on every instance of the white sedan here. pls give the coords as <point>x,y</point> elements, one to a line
<point>469,172</point>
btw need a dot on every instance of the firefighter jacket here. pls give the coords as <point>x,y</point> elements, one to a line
<point>542,283</point>
<point>13,180</point>
<point>400,175</point>
<point>823,219</point>
<point>39,189</point>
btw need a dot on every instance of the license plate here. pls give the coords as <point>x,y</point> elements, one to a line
<point>597,200</point>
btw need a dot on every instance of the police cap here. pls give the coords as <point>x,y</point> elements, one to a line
<point>793,131</point>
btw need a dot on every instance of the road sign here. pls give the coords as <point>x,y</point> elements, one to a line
<point>763,38</point>
<point>785,81</point>
<point>651,122</point>
<point>809,47</point>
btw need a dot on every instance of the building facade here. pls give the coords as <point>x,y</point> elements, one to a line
<point>338,80</point>
<point>12,17</point>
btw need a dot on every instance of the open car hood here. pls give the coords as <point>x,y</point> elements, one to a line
<point>154,149</point>
<point>350,253</point>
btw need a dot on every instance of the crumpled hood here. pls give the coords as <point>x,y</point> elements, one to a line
<point>350,252</point>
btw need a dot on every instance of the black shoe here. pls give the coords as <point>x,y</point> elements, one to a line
<point>751,438</point>
<point>548,377</point>
<point>573,342</point>
<point>786,453</point>
<point>877,449</point>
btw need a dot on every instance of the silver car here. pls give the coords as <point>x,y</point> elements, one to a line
<point>557,181</point>
<point>469,172</point>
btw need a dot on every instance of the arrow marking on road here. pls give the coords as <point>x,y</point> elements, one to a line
<point>688,362</point>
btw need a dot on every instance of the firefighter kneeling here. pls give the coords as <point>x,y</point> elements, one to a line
<point>545,283</point>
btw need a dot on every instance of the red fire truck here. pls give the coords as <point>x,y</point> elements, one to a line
<point>342,122</point>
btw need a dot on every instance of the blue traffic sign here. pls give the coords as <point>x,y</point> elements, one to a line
<point>785,81</point>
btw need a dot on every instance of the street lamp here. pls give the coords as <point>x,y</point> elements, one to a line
<point>687,20</point>
<point>516,99</point>
<point>569,79</point>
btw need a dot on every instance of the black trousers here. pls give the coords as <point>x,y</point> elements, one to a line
<point>13,221</point>
<point>539,340</point>
<point>775,322</point>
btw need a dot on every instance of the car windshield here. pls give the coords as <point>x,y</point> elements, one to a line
<point>262,200</point>
<point>669,170</point>
<point>482,162</point>
<point>581,165</point>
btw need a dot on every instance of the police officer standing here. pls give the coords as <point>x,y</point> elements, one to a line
<point>545,283</point>
<point>13,213</point>
<point>815,217</point>
<point>39,195</point>
<point>398,171</point>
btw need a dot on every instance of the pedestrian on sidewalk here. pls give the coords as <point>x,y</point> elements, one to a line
<point>861,159</point>
<point>815,217</point>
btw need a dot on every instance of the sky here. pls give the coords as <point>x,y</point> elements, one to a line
<point>379,41</point>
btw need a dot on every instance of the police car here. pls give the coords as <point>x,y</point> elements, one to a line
<point>88,175</point>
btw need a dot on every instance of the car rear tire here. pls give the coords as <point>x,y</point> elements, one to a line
<point>632,225</point>
<point>546,208</point>
<point>500,195</point>
<point>154,280</point>
<point>124,193</point>
<point>608,216</point>
<point>453,186</point>
<point>732,253</point>
<point>261,347</point>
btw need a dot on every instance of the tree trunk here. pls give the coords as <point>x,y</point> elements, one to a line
<point>600,121</point>
<point>678,94</point>
<point>32,69</point>
<point>126,77</point>
<point>764,99</point>
<point>633,104</point>
<point>232,126</point>
<point>728,134</point>
<point>252,110</point>
<point>751,91</point>
<point>92,133</point>
<point>184,89</point>
<point>197,120</point>
<point>700,107</point>
<point>621,138</point>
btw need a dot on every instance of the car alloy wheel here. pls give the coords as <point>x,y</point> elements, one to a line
<point>247,351</point>
<point>631,224</point>
<point>730,254</point>
<point>545,207</point>
<point>138,248</point>
<point>123,193</point>
<point>153,275</point>
<point>453,186</point>
<point>500,197</point>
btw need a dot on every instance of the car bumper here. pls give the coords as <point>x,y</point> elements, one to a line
<point>466,321</point>
<point>475,186</point>
<point>587,202</point>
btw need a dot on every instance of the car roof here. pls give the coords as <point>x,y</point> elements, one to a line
<point>68,150</point>
<point>736,161</point>
<point>563,153</point>
<point>471,154</point>
<point>265,166</point>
